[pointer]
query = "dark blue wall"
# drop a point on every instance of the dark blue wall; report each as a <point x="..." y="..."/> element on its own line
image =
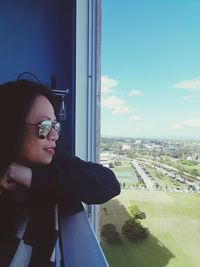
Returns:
<point x="39" y="36"/>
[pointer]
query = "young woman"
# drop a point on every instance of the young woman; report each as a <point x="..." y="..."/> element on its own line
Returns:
<point x="34" y="179"/>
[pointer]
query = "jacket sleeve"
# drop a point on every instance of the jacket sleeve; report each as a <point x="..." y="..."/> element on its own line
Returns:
<point x="73" y="178"/>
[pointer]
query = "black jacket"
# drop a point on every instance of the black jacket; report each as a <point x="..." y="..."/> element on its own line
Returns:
<point x="67" y="181"/>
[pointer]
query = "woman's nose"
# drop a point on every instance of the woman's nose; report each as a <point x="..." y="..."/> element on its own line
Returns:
<point x="53" y="135"/>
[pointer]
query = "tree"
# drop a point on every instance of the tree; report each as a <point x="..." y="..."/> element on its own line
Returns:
<point x="160" y="175"/>
<point x="111" y="165"/>
<point x="118" y="163"/>
<point x="135" y="212"/>
<point x="133" y="230"/>
<point x="110" y="233"/>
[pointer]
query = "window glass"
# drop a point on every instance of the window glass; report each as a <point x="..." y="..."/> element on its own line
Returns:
<point x="150" y="132"/>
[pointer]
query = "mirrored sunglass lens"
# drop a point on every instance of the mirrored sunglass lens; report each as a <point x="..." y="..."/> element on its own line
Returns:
<point x="57" y="127"/>
<point x="45" y="128"/>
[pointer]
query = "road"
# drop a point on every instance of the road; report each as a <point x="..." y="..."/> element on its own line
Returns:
<point x="149" y="183"/>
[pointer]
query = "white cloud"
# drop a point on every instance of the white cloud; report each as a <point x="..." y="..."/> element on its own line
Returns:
<point x="189" y="97"/>
<point x="115" y="104"/>
<point x="107" y="84"/>
<point x="135" y="118"/>
<point x="187" y="123"/>
<point x="191" y="85"/>
<point x="135" y="93"/>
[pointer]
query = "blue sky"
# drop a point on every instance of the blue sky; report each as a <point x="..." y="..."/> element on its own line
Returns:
<point x="151" y="68"/>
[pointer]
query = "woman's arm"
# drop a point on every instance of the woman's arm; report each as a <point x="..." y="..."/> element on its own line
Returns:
<point x="73" y="178"/>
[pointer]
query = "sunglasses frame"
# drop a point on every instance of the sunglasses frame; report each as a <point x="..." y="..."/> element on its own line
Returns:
<point x="43" y="129"/>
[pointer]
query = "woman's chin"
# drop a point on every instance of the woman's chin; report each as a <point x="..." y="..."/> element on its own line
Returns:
<point x="31" y="161"/>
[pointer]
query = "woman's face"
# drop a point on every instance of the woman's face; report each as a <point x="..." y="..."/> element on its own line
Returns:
<point x="34" y="149"/>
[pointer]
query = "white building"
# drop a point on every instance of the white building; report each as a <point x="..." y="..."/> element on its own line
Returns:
<point x="126" y="147"/>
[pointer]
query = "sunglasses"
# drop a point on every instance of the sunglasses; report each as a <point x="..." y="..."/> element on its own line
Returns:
<point x="46" y="126"/>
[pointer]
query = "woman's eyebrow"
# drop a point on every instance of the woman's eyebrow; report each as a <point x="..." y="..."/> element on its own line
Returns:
<point x="48" y="118"/>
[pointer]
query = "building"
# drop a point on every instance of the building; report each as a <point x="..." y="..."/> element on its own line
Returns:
<point x="126" y="147"/>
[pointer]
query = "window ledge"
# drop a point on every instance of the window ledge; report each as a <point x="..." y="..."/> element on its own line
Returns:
<point x="79" y="244"/>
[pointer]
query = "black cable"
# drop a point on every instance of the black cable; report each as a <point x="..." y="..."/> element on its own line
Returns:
<point x="29" y="73"/>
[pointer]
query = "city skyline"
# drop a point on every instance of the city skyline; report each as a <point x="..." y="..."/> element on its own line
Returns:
<point x="150" y="69"/>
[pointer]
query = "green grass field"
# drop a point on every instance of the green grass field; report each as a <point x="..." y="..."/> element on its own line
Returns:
<point x="125" y="173"/>
<point x="173" y="219"/>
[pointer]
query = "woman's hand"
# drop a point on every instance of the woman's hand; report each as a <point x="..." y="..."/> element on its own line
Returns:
<point x="6" y="183"/>
<point x="16" y="174"/>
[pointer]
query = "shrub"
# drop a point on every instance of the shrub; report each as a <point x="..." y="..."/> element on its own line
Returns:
<point x="110" y="233"/>
<point x="105" y="210"/>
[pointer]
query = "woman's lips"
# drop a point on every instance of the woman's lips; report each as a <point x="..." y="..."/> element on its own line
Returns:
<point x="50" y="150"/>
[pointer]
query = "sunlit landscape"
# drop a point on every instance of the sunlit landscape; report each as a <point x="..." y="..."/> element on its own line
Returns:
<point x="162" y="177"/>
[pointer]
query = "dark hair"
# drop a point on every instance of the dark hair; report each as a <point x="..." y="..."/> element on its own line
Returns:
<point x="16" y="98"/>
